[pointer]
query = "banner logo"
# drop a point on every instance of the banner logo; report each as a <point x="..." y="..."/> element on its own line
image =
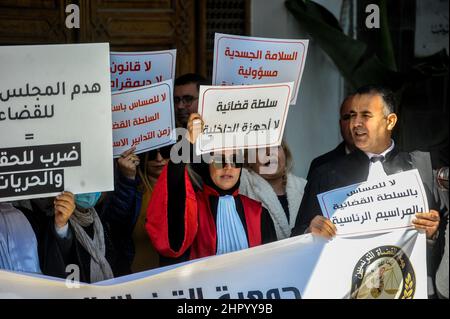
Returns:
<point x="383" y="273"/>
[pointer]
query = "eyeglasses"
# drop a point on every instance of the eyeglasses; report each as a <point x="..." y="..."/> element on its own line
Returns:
<point x="220" y="162"/>
<point x="163" y="151"/>
<point x="186" y="99"/>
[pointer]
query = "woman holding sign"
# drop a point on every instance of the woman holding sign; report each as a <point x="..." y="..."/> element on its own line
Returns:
<point x="186" y="220"/>
<point x="78" y="242"/>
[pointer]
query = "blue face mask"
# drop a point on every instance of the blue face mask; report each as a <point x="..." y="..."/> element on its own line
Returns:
<point x="87" y="200"/>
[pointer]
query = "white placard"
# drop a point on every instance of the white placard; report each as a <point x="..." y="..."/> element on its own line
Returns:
<point x="386" y="266"/>
<point x="55" y="120"/>
<point x="135" y="69"/>
<point x="376" y="205"/>
<point x="240" y="60"/>
<point x="244" y="116"/>
<point x="143" y="117"/>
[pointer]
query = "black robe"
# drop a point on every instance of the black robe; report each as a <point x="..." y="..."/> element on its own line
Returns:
<point x="176" y="207"/>
<point x="332" y="155"/>
<point x="347" y="170"/>
<point x="56" y="253"/>
<point x="354" y="168"/>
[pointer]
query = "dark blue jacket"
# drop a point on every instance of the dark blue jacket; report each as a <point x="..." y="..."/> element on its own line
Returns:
<point x="120" y="211"/>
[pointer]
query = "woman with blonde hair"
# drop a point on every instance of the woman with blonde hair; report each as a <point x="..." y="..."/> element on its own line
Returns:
<point x="268" y="180"/>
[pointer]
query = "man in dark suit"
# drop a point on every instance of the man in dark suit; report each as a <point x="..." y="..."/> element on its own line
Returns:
<point x="372" y="120"/>
<point x="345" y="147"/>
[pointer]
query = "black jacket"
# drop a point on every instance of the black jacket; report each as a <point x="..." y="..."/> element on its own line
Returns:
<point x="338" y="152"/>
<point x="347" y="170"/>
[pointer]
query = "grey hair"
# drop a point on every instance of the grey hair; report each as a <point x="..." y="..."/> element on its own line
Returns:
<point x="388" y="96"/>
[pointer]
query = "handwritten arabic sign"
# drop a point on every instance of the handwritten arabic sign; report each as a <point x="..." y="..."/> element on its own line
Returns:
<point x="55" y="120"/>
<point x="143" y="117"/>
<point x="240" y="60"/>
<point x="375" y="205"/>
<point x="135" y="69"/>
<point x="377" y="266"/>
<point x="247" y="116"/>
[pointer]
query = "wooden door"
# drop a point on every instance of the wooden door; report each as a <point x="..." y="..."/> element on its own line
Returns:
<point x="129" y="25"/>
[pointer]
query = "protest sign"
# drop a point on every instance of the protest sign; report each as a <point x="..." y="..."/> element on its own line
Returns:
<point x="381" y="266"/>
<point x="375" y="205"/>
<point x="240" y="60"/>
<point x="135" y="69"/>
<point x="247" y="116"/>
<point x="55" y="120"/>
<point x="143" y="117"/>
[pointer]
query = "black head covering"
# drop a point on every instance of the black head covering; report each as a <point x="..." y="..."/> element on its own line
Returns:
<point x="202" y="169"/>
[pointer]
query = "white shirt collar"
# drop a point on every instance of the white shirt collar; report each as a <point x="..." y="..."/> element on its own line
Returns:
<point x="390" y="148"/>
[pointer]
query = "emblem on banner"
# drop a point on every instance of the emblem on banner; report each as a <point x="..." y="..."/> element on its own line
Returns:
<point x="384" y="272"/>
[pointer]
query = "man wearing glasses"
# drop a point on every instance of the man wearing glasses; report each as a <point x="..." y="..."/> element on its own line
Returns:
<point x="185" y="96"/>
<point x="345" y="147"/>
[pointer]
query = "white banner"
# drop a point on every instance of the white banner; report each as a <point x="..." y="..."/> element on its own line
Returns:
<point x="135" y="69"/>
<point x="244" y="116"/>
<point x="143" y="117"/>
<point x="240" y="60"/>
<point x="390" y="265"/>
<point x="375" y="205"/>
<point x="55" y="120"/>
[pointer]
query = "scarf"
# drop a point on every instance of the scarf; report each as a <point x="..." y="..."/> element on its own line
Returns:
<point x="230" y="231"/>
<point x="18" y="244"/>
<point x="100" y="268"/>
<point x="231" y="235"/>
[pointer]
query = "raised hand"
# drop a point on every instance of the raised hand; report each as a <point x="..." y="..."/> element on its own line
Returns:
<point x="128" y="163"/>
<point x="64" y="206"/>
<point x="429" y="222"/>
<point x="194" y="127"/>
<point x="323" y="227"/>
